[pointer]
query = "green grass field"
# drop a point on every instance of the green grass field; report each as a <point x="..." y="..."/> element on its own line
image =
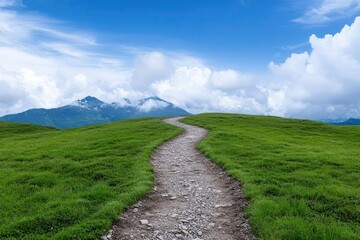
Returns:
<point x="73" y="184"/>
<point x="302" y="177"/>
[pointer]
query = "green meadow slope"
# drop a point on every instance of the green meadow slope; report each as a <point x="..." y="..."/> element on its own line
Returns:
<point x="302" y="177"/>
<point x="72" y="184"/>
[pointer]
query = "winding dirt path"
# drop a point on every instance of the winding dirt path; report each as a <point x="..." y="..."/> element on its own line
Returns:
<point x="193" y="198"/>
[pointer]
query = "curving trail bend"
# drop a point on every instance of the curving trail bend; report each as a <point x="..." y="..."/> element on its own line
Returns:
<point x="193" y="198"/>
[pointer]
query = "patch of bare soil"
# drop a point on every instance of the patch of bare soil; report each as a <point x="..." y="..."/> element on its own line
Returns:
<point x="193" y="198"/>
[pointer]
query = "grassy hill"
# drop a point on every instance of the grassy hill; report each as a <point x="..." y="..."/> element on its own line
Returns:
<point x="302" y="177"/>
<point x="72" y="184"/>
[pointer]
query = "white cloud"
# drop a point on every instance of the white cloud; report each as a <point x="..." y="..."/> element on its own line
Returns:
<point x="152" y="104"/>
<point x="322" y="83"/>
<point x="150" y="67"/>
<point x="192" y="87"/>
<point x="65" y="49"/>
<point x="10" y="92"/>
<point x="55" y="69"/>
<point x="10" y="3"/>
<point x="322" y="11"/>
<point x="325" y="81"/>
<point x="187" y="86"/>
<point x="230" y="79"/>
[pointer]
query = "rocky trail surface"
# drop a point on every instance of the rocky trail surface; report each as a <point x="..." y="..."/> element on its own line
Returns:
<point x="193" y="198"/>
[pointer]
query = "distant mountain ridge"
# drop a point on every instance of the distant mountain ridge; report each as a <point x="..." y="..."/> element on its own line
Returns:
<point x="350" y="121"/>
<point x="91" y="110"/>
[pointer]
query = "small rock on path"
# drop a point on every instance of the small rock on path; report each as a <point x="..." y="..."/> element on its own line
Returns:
<point x="193" y="198"/>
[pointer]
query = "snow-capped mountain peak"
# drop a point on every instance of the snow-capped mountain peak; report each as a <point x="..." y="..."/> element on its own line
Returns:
<point x="90" y="103"/>
<point x="152" y="103"/>
<point x="144" y="105"/>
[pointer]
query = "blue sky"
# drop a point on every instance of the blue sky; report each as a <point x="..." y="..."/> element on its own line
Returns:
<point x="244" y="34"/>
<point x="277" y="57"/>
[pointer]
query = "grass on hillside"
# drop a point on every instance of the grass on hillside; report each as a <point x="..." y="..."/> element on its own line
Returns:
<point x="302" y="177"/>
<point x="73" y="184"/>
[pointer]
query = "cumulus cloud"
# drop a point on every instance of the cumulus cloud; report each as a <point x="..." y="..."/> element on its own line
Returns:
<point x="322" y="11"/>
<point x="150" y="67"/>
<point x="192" y="87"/>
<point x="10" y="92"/>
<point x="187" y="87"/>
<point x="324" y="82"/>
<point x="230" y="79"/>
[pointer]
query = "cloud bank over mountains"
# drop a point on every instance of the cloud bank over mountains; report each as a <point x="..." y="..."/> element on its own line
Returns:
<point x="64" y="65"/>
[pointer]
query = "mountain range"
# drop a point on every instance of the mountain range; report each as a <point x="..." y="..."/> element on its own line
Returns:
<point x="91" y="110"/>
<point x="342" y="121"/>
<point x="351" y="121"/>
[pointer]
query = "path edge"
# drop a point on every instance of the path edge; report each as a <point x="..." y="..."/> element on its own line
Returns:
<point x="108" y="235"/>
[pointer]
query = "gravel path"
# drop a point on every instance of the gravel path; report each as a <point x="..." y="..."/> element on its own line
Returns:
<point x="193" y="198"/>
